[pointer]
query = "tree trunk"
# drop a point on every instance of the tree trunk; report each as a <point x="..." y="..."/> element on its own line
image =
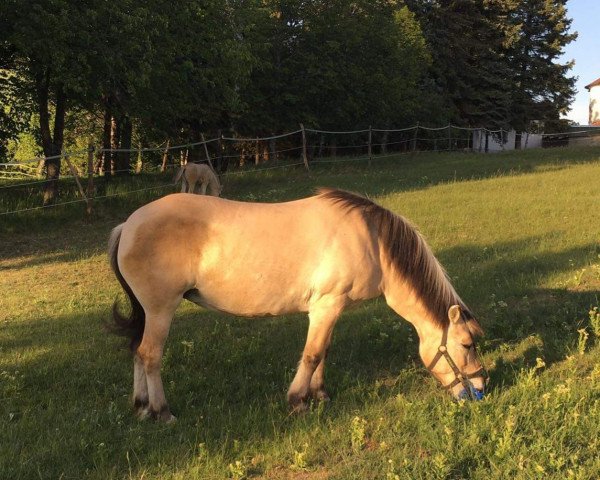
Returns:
<point x="321" y="145"/>
<point x="51" y="143"/>
<point x="333" y="147"/>
<point x="384" y="141"/>
<point x="124" y="162"/>
<point x="114" y="143"/>
<point x="273" y="150"/>
<point x="106" y="140"/>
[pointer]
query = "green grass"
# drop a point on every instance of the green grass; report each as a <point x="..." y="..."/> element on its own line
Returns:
<point x="519" y="233"/>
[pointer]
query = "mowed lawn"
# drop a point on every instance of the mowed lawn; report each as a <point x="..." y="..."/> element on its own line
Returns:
<point x="519" y="234"/>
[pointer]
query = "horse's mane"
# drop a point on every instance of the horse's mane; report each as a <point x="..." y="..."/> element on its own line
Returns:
<point x="410" y="255"/>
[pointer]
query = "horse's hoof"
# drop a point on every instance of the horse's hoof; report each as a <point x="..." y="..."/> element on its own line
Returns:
<point x="163" y="415"/>
<point x="298" y="404"/>
<point x="166" y="417"/>
<point x="301" y="407"/>
<point x="144" y="414"/>
<point x="139" y="405"/>
<point x="321" y="395"/>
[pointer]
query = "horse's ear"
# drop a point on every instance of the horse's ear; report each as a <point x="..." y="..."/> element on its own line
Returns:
<point x="454" y="313"/>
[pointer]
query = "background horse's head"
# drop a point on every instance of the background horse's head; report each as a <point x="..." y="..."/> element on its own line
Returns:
<point x="451" y="355"/>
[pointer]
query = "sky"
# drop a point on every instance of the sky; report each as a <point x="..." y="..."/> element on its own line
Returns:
<point x="585" y="50"/>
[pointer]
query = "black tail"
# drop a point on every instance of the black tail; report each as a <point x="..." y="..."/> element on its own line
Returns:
<point x="131" y="326"/>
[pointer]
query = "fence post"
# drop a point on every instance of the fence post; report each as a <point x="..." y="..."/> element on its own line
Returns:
<point x="370" y="144"/>
<point x="206" y="152"/>
<point x="449" y="137"/>
<point x="304" y="156"/>
<point x="223" y="160"/>
<point x="414" y="142"/>
<point x="90" y="172"/>
<point x="76" y="176"/>
<point x="165" y="156"/>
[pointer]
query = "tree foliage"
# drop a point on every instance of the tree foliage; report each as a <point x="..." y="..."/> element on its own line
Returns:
<point x="158" y="70"/>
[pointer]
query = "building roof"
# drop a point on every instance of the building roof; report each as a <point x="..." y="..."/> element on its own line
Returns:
<point x="595" y="83"/>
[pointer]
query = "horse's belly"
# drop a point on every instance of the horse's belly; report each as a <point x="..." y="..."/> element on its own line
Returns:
<point x="246" y="302"/>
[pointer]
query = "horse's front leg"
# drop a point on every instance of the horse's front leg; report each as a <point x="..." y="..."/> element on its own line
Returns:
<point x="322" y="318"/>
<point x="317" y="382"/>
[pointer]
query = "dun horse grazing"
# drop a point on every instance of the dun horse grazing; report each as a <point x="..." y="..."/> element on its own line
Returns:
<point x="315" y="255"/>
<point x="192" y="174"/>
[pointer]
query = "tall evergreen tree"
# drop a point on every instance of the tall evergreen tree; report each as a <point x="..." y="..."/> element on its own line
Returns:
<point x="540" y="86"/>
<point x="466" y="38"/>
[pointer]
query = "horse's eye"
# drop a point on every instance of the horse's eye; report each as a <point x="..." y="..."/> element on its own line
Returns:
<point x="468" y="346"/>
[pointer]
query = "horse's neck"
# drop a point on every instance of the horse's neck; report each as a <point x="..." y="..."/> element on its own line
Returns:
<point x="406" y="302"/>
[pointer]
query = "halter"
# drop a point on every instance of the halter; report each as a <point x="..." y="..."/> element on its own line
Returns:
<point x="460" y="377"/>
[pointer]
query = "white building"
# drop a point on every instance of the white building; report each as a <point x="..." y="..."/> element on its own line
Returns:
<point x="594" y="89"/>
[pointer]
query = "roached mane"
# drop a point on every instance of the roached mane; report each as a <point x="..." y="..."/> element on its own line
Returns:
<point x="410" y="255"/>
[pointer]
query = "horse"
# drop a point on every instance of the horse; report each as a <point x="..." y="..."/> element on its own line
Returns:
<point x="191" y="174"/>
<point x="316" y="255"/>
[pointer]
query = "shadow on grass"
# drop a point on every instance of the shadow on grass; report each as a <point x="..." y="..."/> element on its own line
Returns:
<point x="66" y="383"/>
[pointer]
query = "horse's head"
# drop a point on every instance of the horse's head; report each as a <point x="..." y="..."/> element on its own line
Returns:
<point x="452" y="358"/>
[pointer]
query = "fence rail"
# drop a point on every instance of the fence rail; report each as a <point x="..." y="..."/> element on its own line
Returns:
<point x="304" y="146"/>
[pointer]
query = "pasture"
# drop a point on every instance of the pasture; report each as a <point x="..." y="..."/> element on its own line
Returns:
<point x="519" y="234"/>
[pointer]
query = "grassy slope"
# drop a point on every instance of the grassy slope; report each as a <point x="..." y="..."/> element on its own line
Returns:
<point x="519" y="233"/>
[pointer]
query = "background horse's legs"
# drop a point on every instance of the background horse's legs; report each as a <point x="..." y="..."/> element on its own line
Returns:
<point x="140" y="386"/>
<point x="203" y="188"/>
<point x="317" y="382"/>
<point x="150" y="352"/>
<point x="322" y="316"/>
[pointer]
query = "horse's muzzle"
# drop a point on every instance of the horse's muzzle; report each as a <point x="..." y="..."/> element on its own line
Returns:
<point x="475" y="394"/>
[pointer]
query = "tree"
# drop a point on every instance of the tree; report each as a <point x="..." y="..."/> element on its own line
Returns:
<point x="15" y="110"/>
<point x="48" y="70"/>
<point x="466" y="38"/>
<point x="540" y="86"/>
<point x="338" y="64"/>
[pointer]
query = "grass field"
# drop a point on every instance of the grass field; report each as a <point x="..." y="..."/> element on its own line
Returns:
<point x="519" y="234"/>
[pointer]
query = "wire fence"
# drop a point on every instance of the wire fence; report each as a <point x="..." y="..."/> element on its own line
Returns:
<point x="234" y="156"/>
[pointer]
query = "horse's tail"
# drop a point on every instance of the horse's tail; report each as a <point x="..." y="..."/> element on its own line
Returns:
<point x="179" y="174"/>
<point x="131" y="325"/>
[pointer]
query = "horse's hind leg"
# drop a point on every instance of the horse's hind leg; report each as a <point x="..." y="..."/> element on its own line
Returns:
<point x="150" y="354"/>
<point x="140" y="385"/>
<point x="322" y="318"/>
